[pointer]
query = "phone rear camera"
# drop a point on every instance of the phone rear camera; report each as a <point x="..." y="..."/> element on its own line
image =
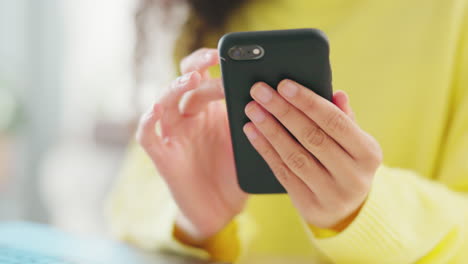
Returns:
<point x="235" y="53"/>
<point x="246" y="52"/>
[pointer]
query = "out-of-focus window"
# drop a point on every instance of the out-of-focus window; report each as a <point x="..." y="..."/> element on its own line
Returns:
<point x="68" y="106"/>
<point x="97" y="116"/>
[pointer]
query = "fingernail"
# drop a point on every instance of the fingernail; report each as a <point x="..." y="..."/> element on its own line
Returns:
<point x="208" y="56"/>
<point x="184" y="78"/>
<point x="255" y="114"/>
<point x="262" y="93"/>
<point x="250" y="132"/>
<point x="288" y="88"/>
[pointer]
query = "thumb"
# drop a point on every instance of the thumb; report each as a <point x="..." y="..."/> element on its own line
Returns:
<point x="194" y="101"/>
<point x="341" y="99"/>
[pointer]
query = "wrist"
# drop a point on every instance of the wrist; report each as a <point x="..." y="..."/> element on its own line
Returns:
<point x="344" y="223"/>
<point x="222" y="246"/>
<point x="188" y="233"/>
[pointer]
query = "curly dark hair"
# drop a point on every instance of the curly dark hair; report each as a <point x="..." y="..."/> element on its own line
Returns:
<point x="206" y="17"/>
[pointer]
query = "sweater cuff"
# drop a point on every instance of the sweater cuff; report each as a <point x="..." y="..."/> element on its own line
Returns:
<point x="166" y="239"/>
<point x="224" y="246"/>
<point x="369" y="232"/>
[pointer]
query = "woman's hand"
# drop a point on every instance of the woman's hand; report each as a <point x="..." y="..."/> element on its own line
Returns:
<point x="329" y="169"/>
<point x="193" y="151"/>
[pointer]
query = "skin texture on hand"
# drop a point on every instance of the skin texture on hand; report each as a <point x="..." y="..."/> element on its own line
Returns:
<point x="328" y="171"/>
<point x="193" y="151"/>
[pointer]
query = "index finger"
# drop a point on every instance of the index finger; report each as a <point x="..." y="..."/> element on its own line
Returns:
<point x="328" y="117"/>
<point x="200" y="60"/>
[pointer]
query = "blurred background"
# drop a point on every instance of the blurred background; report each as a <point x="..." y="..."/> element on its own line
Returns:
<point x="69" y="104"/>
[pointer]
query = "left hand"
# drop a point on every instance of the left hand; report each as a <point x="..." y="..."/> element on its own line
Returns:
<point x="328" y="171"/>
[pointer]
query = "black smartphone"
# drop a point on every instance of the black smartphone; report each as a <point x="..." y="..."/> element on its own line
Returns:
<point x="301" y="55"/>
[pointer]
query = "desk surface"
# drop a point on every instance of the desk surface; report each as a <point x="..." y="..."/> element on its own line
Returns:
<point x="20" y="240"/>
<point x="43" y="240"/>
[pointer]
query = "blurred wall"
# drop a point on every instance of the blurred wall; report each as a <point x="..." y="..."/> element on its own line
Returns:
<point x="66" y="91"/>
<point x="97" y="117"/>
<point x="30" y="64"/>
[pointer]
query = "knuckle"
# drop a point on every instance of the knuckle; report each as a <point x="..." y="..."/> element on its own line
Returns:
<point x="314" y="136"/>
<point x="281" y="173"/>
<point x="297" y="160"/>
<point x="336" y="122"/>
<point x="273" y="133"/>
<point x="308" y="104"/>
<point x="285" y="110"/>
<point x="268" y="153"/>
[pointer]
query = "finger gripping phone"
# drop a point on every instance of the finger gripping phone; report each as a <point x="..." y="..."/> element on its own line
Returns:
<point x="301" y="55"/>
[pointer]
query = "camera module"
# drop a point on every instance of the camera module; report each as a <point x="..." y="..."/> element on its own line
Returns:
<point x="247" y="52"/>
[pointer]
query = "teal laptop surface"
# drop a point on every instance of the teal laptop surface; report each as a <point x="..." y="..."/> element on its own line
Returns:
<point x="27" y="243"/>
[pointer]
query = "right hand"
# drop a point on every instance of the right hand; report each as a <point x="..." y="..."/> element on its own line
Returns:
<point x="193" y="151"/>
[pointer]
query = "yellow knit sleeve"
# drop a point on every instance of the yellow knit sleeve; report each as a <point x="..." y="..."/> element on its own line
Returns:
<point x="410" y="219"/>
<point x="404" y="219"/>
<point x="224" y="246"/>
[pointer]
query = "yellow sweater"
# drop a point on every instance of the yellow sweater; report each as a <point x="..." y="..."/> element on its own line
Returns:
<point x="404" y="64"/>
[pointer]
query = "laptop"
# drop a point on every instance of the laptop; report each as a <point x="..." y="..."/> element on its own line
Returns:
<point x="29" y="243"/>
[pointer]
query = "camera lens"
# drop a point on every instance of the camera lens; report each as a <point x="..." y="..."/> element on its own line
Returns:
<point x="236" y="53"/>
<point x="246" y="52"/>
